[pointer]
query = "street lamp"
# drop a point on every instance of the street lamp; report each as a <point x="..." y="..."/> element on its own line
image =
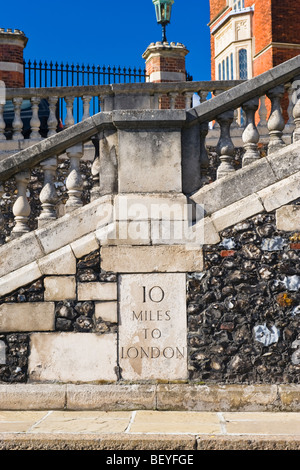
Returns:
<point x="163" y="10"/>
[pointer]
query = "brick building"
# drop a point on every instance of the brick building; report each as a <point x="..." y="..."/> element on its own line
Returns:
<point x="249" y="37"/>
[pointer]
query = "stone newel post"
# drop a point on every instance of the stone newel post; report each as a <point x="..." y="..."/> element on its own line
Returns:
<point x="12" y="44"/>
<point x="165" y="62"/>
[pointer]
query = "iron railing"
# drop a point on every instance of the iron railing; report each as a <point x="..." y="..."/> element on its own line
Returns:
<point x="38" y="74"/>
<point x="43" y="74"/>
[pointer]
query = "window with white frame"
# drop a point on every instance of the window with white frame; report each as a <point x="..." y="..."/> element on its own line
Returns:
<point x="237" y="4"/>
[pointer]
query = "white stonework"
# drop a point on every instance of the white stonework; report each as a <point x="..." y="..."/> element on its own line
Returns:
<point x="153" y="330"/>
<point x="237" y="212"/>
<point x="97" y="291"/>
<point x="27" y="316"/>
<point x="147" y="259"/>
<point x="107" y="311"/>
<point x="149" y="161"/>
<point x="60" y="262"/>
<point x="20" y="277"/>
<point x="60" y="288"/>
<point x="84" y="245"/>
<point x="288" y="218"/>
<point x="72" y="357"/>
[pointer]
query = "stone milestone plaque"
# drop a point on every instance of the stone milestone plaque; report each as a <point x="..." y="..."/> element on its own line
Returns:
<point x="153" y="326"/>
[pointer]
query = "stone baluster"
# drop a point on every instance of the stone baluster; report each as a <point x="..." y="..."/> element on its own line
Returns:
<point x="204" y="160"/>
<point x="48" y="195"/>
<point x="290" y="125"/>
<point x="250" y="135"/>
<point x="69" y="121"/>
<point x="216" y="93"/>
<point x="35" y="122"/>
<point x="74" y="181"/>
<point x="52" y="120"/>
<point x="21" y="208"/>
<point x="188" y="99"/>
<point x="276" y="122"/>
<point x="2" y="122"/>
<point x="237" y="118"/>
<point x="86" y="107"/>
<point x="263" y="113"/>
<point x="202" y="95"/>
<point x="17" y="123"/>
<point x="225" y="147"/>
<point x="296" y="110"/>
<point x="155" y="101"/>
<point x="1" y="217"/>
<point x="95" y="170"/>
<point x="172" y="97"/>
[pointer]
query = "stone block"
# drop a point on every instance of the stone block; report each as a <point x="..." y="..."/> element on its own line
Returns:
<point x="288" y="218"/>
<point x="215" y="397"/>
<point x="238" y="185"/>
<point x="85" y="245"/>
<point x="108" y="311"/>
<point x="18" y="253"/>
<point x="147" y="259"/>
<point x="59" y="262"/>
<point x="237" y="212"/>
<point x="111" y="397"/>
<point x="2" y="353"/>
<point x="152" y="328"/>
<point x="149" y="161"/>
<point x="281" y="193"/>
<point x="60" y="288"/>
<point x="27" y="316"/>
<point x="97" y="291"/>
<point x="20" y="277"/>
<point x="76" y="224"/>
<point x="72" y="357"/>
<point x="32" y="397"/>
<point x="125" y="233"/>
<point x="160" y="206"/>
<point x="286" y="161"/>
<point x="289" y="397"/>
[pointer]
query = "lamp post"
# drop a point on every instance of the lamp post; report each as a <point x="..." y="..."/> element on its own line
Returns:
<point x="163" y="10"/>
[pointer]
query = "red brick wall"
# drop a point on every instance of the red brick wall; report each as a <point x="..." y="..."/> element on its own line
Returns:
<point x="215" y="7"/>
<point x="10" y="53"/>
<point x="12" y="79"/>
<point x="165" y="64"/>
<point x="286" y="17"/>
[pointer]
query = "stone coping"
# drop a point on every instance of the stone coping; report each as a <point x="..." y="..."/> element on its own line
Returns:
<point x="151" y="396"/>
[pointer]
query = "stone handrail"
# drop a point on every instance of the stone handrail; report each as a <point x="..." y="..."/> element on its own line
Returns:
<point x="109" y="97"/>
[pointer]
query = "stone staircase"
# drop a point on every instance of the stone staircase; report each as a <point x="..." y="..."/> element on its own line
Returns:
<point x="161" y="278"/>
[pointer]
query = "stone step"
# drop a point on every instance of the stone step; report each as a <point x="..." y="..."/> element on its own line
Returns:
<point x="148" y="430"/>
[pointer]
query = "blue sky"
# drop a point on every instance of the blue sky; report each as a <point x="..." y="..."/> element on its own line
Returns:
<point x="108" y="32"/>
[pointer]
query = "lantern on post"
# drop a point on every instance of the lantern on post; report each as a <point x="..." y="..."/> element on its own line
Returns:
<point x="163" y="10"/>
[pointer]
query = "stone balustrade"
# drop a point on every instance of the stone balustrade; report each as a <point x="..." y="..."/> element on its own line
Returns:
<point x="119" y="152"/>
<point x="77" y="103"/>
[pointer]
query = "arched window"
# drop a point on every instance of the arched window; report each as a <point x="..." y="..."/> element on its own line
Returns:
<point x="220" y="73"/>
<point x="243" y="64"/>
<point x="237" y="4"/>
<point x="231" y="66"/>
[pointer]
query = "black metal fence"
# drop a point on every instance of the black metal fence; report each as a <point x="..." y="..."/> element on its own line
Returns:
<point x="44" y="74"/>
<point x="38" y="74"/>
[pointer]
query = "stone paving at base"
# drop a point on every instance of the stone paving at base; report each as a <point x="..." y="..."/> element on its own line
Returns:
<point x="150" y="423"/>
